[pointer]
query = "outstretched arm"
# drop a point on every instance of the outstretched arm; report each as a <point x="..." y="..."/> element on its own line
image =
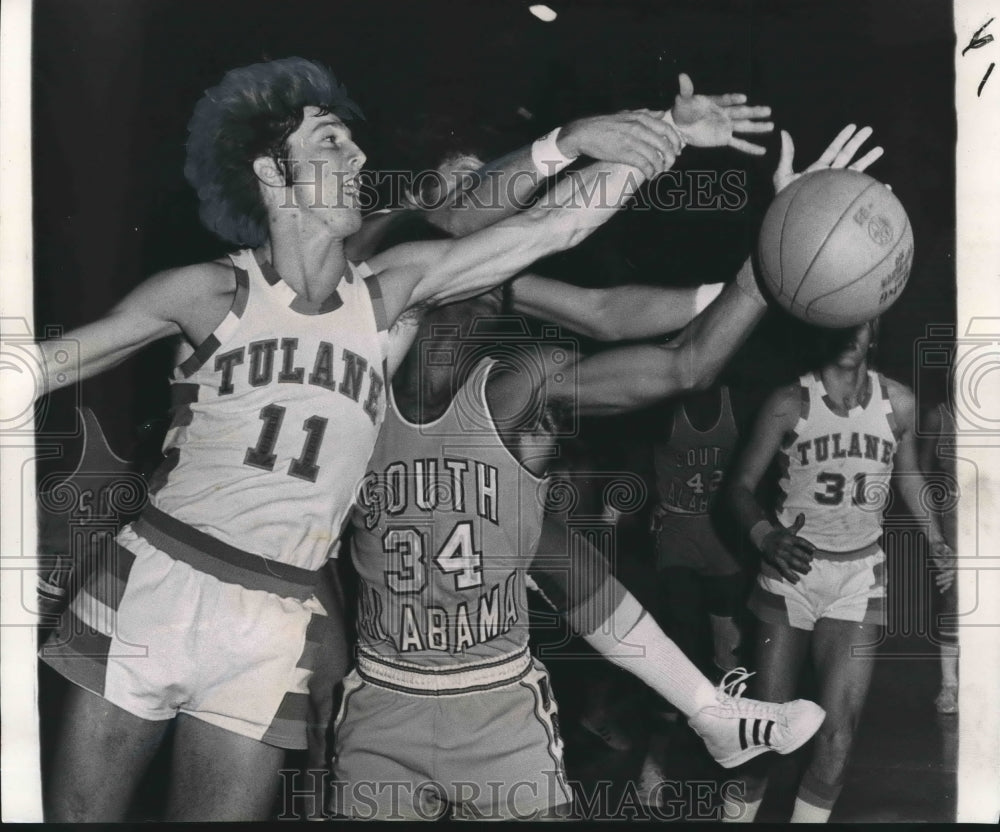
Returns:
<point x="502" y="187"/>
<point x="615" y="314"/>
<point x="189" y="300"/>
<point x="438" y="272"/>
<point x="632" y="377"/>
<point x="629" y="378"/>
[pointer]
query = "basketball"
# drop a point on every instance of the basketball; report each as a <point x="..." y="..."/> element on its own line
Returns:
<point x="835" y="248"/>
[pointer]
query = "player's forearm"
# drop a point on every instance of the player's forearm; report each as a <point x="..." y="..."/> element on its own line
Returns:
<point x="748" y="512"/>
<point x="707" y="343"/>
<point x="503" y="187"/>
<point x="569" y="213"/>
<point x="620" y="313"/>
<point x="625" y="379"/>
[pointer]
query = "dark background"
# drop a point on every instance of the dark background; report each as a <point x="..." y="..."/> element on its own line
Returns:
<point x="115" y="82"/>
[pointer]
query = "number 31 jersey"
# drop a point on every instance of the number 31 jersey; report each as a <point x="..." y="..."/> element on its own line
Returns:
<point x="275" y="416"/>
<point x="446" y="522"/>
<point x="836" y="468"/>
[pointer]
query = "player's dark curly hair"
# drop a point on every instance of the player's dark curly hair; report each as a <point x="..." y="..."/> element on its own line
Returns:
<point x="249" y="114"/>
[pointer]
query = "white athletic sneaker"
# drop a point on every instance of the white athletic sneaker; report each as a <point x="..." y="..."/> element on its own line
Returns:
<point x="737" y="729"/>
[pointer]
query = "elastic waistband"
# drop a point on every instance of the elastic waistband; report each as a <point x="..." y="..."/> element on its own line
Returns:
<point x="220" y="560"/>
<point x="664" y="509"/>
<point x="443" y="681"/>
<point x="853" y="554"/>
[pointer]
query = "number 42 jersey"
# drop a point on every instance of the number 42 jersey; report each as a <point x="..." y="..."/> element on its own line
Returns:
<point x="836" y="468"/>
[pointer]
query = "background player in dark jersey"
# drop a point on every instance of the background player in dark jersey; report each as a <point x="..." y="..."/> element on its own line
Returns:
<point x="443" y="666"/>
<point x="699" y="572"/>
<point x="837" y="435"/>
<point x="276" y="168"/>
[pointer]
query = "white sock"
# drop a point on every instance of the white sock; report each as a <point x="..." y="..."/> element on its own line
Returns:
<point x="807" y="813"/>
<point x="647" y="653"/>
<point x="736" y="811"/>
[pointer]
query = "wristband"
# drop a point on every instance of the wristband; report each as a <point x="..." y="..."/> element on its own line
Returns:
<point x="547" y="156"/>
<point x="705" y="295"/>
<point x="668" y="118"/>
<point x="760" y="530"/>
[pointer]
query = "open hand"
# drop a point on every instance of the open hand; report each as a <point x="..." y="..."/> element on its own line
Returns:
<point x="711" y="120"/>
<point x="640" y="138"/>
<point x="837" y="155"/>
<point x="790" y="554"/>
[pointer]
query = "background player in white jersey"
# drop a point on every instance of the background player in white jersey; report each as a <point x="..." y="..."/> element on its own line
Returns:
<point x="446" y="708"/>
<point x="837" y="435"/>
<point x="206" y="615"/>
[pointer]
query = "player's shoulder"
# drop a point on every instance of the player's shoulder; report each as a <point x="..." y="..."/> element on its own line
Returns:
<point x="198" y="280"/>
<point x="899" y="394"/>
<point x="784" y="402"/>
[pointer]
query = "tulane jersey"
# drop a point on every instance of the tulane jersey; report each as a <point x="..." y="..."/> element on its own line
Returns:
<point x="690" y="466"/>
<point x="835" y="468"/>
<point x="445" y="524"/>
<point x="275" y="416"/>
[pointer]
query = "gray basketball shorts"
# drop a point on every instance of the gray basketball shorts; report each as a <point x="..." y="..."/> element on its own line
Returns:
<point x="477" y="742"/>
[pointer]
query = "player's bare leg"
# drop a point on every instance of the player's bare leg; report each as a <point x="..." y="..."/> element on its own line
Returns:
<point x="103" y="752"/>
<point x="779" y="653"/>
<point x="845" y="676"/>
<point x="221" y="776"/>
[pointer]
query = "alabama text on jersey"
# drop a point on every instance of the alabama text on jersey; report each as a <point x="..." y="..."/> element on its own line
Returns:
<point x="444" y="525"/>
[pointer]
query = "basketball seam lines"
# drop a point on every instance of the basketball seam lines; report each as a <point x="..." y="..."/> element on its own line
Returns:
<point x="826" y="239"/>
<point x="862" y="277"/>
<point x="781" y="240"/>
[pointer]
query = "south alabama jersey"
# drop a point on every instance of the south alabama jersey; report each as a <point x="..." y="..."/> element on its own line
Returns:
<point x="446" y="521"/>
<point x="836" y="468"/>
<point x="691" y="464"/>
<point x="275" y="416"/>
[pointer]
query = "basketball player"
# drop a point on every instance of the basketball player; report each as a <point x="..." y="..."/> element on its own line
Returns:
<point x="206" y="617"/>
<point x="697" y="570"/>
<point x="937" y="459"/>
<point x="837" y="435"/>
<point x="446" y="711"/>
<point x="466" y="195"/>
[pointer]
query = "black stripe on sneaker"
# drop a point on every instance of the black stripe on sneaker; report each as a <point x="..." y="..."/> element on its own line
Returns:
<point x="743" y="733"/>
<point x="756" y="732"/>
<point x="767" y="732"/>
